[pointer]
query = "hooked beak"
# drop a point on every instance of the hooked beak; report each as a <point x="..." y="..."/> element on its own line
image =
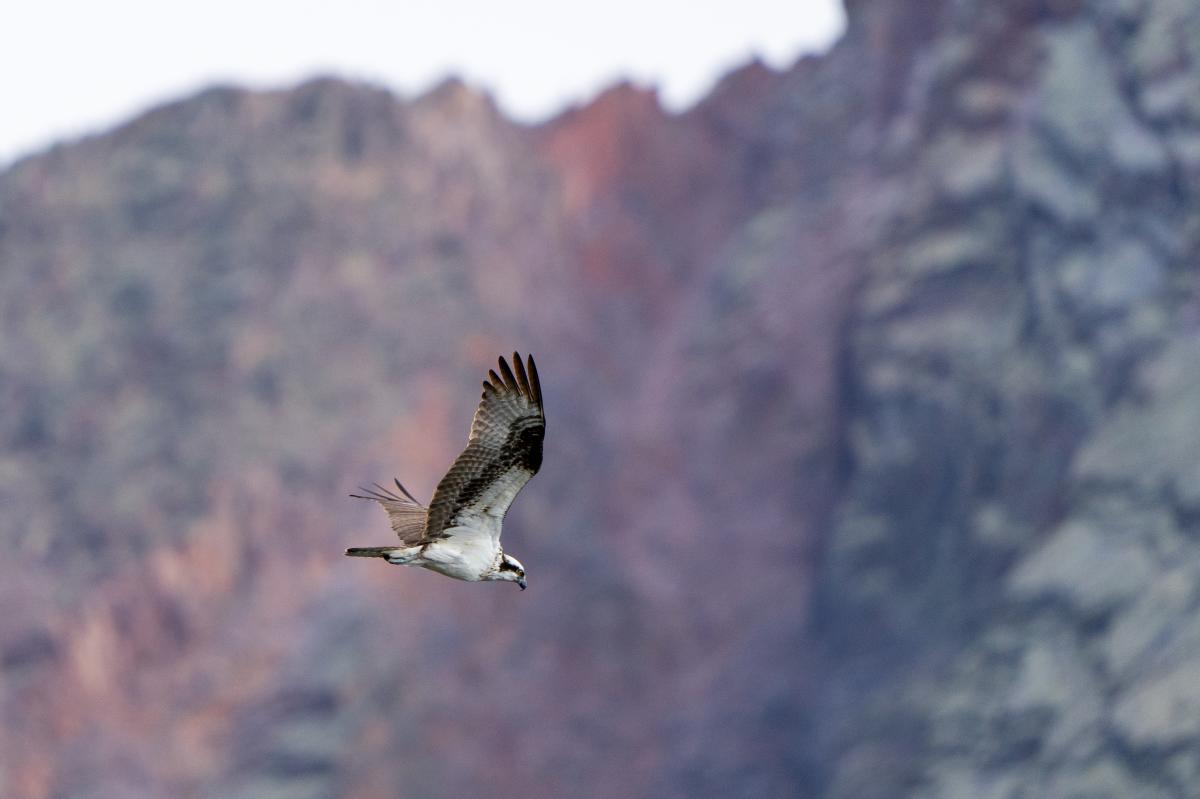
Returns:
<point x="521" y="583"/>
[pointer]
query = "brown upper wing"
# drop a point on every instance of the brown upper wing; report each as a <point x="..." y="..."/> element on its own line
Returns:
<point x="503" y="451"/>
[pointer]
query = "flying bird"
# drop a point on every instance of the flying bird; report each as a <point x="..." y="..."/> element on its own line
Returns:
<point x="458" y="535"/>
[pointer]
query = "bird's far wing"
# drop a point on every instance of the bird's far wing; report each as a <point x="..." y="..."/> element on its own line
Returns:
<point x="406" y="514"/>
<point x="503" y="452"/>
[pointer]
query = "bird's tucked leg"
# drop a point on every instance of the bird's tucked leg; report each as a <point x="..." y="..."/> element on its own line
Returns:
<point x="403" y="556"/>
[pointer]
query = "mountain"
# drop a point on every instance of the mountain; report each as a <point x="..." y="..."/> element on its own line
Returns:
<point x="873" y="397"/>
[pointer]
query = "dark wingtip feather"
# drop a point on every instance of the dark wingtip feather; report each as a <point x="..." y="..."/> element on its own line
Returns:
<point x="534" y="383"/>
<point x="404" y="490"/>
<point x="378" y="494"/>
<point x="386" y="492"/>
<point x="510" y="382"/>
<point x="522" y="378"/>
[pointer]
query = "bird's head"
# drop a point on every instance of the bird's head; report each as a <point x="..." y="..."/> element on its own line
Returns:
<point x="510" y="569"/>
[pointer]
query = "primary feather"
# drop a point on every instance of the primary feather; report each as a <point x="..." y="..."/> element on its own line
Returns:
<point x="503" y="451"/>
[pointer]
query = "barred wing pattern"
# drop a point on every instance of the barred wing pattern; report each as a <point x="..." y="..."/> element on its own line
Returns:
<point x="504" y="450"/>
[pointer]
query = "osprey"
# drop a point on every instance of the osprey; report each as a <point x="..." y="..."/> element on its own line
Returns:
<point x="458" y="535"/>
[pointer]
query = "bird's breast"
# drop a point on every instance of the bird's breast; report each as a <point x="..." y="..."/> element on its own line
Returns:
<point x="464" y="556"/>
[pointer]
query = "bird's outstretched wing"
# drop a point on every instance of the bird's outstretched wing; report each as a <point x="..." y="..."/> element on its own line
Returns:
<point x="406" y="514"/>
<point x="503" y="452"/>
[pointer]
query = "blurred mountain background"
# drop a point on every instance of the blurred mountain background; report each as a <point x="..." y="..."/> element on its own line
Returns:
<point x="873" y="455"/>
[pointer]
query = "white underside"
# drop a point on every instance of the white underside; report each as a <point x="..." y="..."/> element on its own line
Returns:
<point x="472" y="550"/>
<point x="470" y="553"/>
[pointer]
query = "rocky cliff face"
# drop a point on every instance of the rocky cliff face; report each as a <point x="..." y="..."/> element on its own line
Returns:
<point x="872" y="461"/>
<point x="1021" y="439"/>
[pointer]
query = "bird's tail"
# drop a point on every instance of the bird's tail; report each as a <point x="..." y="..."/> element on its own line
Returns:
<point x="371" y="552"/>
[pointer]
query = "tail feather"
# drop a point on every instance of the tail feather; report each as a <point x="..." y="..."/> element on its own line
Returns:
<point x="371" y="552"/>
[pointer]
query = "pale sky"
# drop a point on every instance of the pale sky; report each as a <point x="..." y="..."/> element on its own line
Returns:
<point x="70" y="68"/>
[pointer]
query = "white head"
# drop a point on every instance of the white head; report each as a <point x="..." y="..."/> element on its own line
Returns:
<point x="509" y="569"/>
